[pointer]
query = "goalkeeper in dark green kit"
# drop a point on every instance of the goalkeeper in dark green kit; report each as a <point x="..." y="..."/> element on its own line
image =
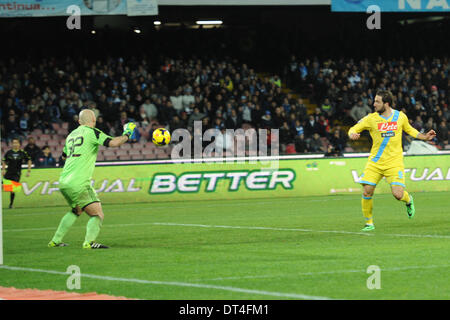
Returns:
<point x="80" y="153"/>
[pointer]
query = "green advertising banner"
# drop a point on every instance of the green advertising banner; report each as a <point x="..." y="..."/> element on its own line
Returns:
<point x="231" y="180"/>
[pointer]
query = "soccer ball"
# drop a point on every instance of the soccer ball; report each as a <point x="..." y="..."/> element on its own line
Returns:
<point x="161" y="137"/>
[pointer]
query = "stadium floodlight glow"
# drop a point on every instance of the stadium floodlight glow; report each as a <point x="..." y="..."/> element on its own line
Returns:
<point x="137" y="30"/>
<point x="93" y="32"/>
<point x="209" y="22"/>
<point x="157" y="23"/>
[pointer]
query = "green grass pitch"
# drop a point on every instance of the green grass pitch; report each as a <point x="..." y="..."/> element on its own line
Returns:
<point x="294" y="248"/>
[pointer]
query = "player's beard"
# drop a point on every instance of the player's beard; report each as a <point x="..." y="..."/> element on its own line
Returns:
<point x="382" y="110"/>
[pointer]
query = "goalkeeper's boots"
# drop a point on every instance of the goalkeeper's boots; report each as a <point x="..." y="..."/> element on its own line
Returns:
<point x="410" y="210"/>
<point x="53" y="244"/>
<point x="368" y="227"/>
<point x="94" y="245"/>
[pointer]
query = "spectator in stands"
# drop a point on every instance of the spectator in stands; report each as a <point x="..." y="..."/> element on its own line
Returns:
<point x="359" y="111"/>
<point x="32" y="149"/>
<point x="24" y="123"/>
<point x="42" y="121"/>
<point x="166" y="112"/>
<point x="257" y="114"/>
<point x="102" y="125"/>
<point x="121" y="122"/>
<point x="54" y="112"/>
<point x="151" y="110"/>
<point x="93" y="106"/>
<point x="418" y="123"/>
<point x="195" y="116"/>
<point x="218" y="123"/>
<point x="286" y="134"/>
<point x="429" y="125"/>
<point x="312" y="126"/>
<point x="12" y="129"/>
<point x="234" y="120"/>
<point x="337" y="141"/>
<point x="177" y="123"/>
<point x="247" y="112"/>
<point x="45" y="158"/>
<point x="315" y="144"/>
<point x="327" y="108"/>
<point x="266" y="120"/>
<point x="301" y="145"/>
<point x="332" y="151"/>
<point x="73" y="124"/>
<point x="278" y="118"/>
<point x="299" y="129"/>
<point x="442" y="134"/>
<point x="143" y="119"/>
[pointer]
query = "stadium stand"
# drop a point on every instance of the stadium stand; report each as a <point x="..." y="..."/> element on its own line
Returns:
<point x="41" y="97"/>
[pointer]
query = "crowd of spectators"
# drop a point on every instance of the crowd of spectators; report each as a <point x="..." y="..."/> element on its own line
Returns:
<point x="223" y="94"/>
<point x="344" y="89"/>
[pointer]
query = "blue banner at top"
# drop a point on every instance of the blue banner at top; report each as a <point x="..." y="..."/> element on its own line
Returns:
<point x="391" y="5"/>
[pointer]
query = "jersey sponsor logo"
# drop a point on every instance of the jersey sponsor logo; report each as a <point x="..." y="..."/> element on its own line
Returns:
<point x="387" y="126"/>
<point x="388" y="134"/>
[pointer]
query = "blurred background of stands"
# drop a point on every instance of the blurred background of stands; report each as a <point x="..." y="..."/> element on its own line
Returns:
<point x="286" y="60"/>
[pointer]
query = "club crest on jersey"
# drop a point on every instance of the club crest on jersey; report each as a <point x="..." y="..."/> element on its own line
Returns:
<point x="387" y="126"/>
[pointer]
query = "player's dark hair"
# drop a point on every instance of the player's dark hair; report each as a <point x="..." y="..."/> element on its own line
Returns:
<point x="386" y="97"/>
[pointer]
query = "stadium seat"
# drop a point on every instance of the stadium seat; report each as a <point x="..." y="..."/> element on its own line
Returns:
<point x="44" y="137"/>
<point x="162" y="156"/>
<point x="133" y="152"/>
<point x="62" y="132"/>
<point x="109" y="153"/>
<point x="36" y="133"/>
<point x="53" y="143"/>
<point x="56" y="151"/>
<point x="138" y="145"/>
<point x="126" y="146"/>
<point x="137" y="157"/>
<point x="100" y="157"/>
<point x="349" y="149"/>
<point x="144" y="134"/>
<point x="124" y="157"/>
<point x="56" y="126"/>
<point x="149" y="156"/>
<point x="65" y="125"/>
<point x="110" y="158"/>
<point x="121" y="153"/>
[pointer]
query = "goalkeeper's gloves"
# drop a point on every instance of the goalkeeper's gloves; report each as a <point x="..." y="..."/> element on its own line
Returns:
<point x="128" y="129"/>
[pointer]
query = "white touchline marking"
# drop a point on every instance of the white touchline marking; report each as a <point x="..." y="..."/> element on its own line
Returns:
<point x="320" y="273"/>
<point x="432" y="236"/>
<point x="197" y="225"/>
<point x="236" y="203"/>
<point x="175" y="283"/>
<point x="257" y="228"/>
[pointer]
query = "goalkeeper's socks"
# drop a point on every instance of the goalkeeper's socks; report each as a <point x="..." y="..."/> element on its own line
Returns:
<point x="66" y="222"/>
<point x="406" y="198"/>
<point x="93" y="229"/>
<point x="367" y="206"/>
